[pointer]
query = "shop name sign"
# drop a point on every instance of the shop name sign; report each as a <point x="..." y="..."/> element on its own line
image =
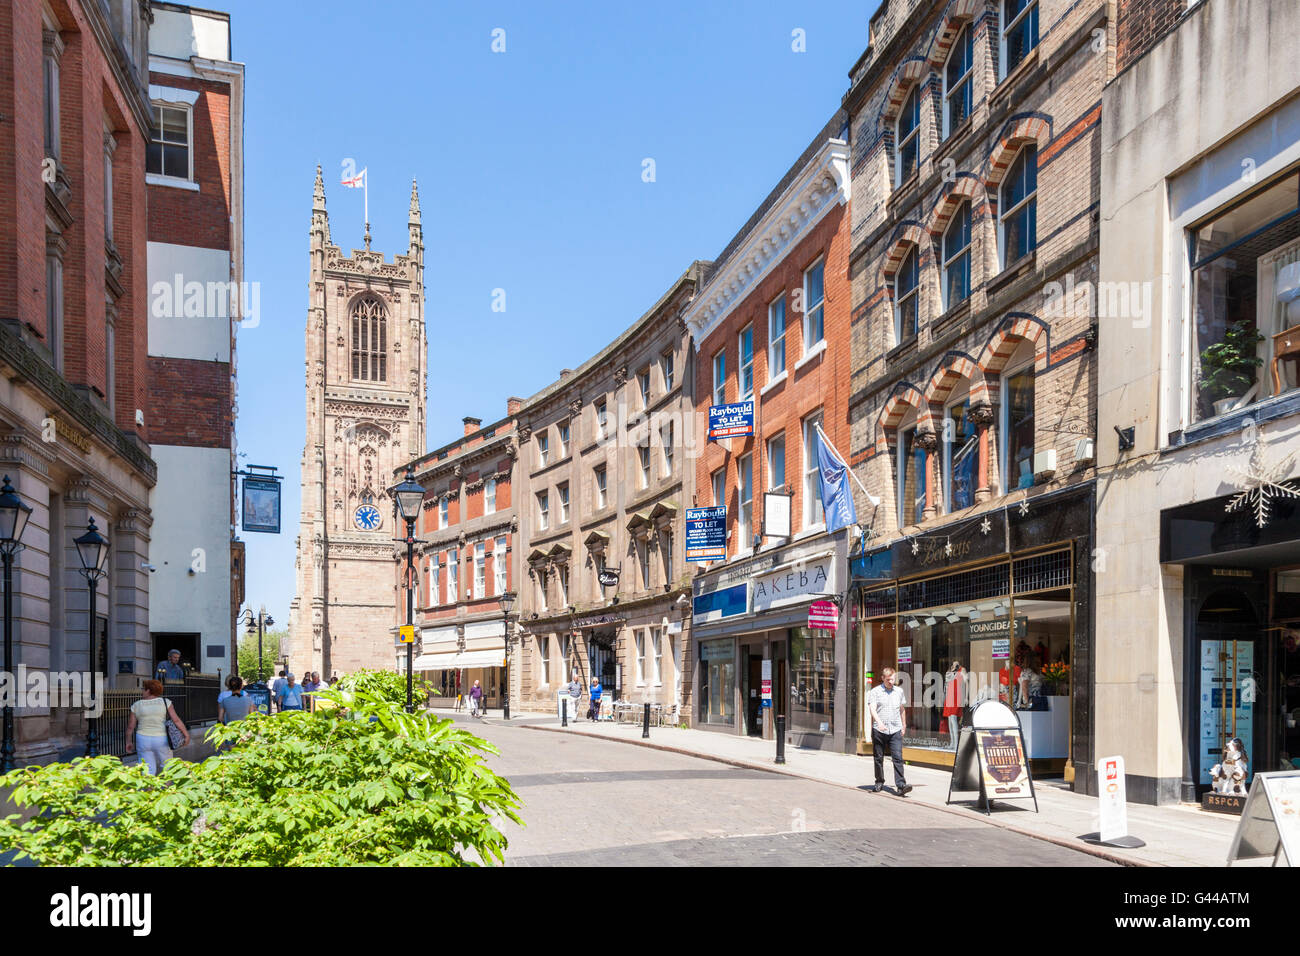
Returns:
<point x="731" y="421"/>
<point x="934" y="550"/>
<point x="795" y="583"/>
<point x="998" y="627"/>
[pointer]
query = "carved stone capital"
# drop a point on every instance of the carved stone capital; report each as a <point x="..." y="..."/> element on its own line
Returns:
<point x="927" y="440"/>
<point x="981" y="414"/>
<point x="525" y="433"/>
<point x="620" y="375"/>
<point x="575" y="407"/>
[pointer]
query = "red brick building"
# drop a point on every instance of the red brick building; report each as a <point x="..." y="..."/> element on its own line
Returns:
<point x="73" y="343"/>
<point x="198" y="299"/>
<point x="771" y="326"/>
<point x="468" y="528"/>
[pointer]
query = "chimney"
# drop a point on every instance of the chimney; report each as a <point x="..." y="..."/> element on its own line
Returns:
<point x="513" y="405"/>
<point x="565" y="373"/>
<point x="471" y="424"/>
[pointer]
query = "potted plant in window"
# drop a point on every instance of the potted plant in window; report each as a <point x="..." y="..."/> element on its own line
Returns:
<point x="1229" y="368"/>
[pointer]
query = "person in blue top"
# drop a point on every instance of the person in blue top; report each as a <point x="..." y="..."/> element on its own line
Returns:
<point x="290" y="694"/>
<point x="593" y="712"/>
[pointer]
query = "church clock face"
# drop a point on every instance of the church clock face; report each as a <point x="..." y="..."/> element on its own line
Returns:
<point x="367" y="517"/>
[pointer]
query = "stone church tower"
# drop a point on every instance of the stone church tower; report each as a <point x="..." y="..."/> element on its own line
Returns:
<point x="366" y="385"/>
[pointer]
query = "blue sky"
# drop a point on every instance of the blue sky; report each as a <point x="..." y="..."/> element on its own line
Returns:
<point x="530" y="169"/>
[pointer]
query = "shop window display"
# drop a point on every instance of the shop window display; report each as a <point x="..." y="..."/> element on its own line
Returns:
<point x="718" y="681"/>
<point x="812" y="680"/>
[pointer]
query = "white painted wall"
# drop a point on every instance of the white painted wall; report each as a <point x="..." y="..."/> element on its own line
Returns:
<point x="191" y="509"/>
<point x="183" y="35"/>
<point x="173" y="333"/>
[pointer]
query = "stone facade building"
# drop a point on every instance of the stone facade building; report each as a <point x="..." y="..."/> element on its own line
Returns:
<point x="606" y="470"/>
<point x="771" y="327"/>
<point x="74" y="394"/>
<point x="366" y="383"/>
<point x="1198" y="601"/>
<point x="465" y="563"/>
<point x="973" y="400"/>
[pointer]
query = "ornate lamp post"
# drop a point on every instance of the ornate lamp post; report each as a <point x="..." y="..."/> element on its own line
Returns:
<point x="14" y="513"/>
<point x="507" y="603"/>
<point x="262" y="620"/>
<point x="92" y="549"/>
<point x="407" y="498"/>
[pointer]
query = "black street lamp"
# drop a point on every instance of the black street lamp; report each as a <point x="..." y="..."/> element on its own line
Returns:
<point x="407" y="498"/>
<point x="14" y="513"/>
<point x="92" y="548"/>
<point x="262" y="620"/>
<point x="507" y="603"/>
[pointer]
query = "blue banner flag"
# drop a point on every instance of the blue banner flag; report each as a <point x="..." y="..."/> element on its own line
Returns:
<point x="837" y="496"/>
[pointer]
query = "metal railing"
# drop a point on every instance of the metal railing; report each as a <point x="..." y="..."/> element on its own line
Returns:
<point x="194" y="699"/>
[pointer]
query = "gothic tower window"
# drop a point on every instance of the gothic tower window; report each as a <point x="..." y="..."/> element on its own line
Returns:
<point x="369" y="341"/>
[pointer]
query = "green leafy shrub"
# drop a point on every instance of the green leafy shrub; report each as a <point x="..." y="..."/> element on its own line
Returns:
<point x="387" y="685"/>
<point x="247" y="655"/>
<point x="361" y="782"/>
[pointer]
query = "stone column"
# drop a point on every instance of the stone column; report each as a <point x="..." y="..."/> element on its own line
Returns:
<point x="127" y="585"/>
<point x="929" y="442"/>
<point x="982" y="416"/>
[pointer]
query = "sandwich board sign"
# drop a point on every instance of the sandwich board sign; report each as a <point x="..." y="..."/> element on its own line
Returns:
<point x="1270" y="821"/>
<point x="991" y="757"/>
<point x="1112" y="796"/>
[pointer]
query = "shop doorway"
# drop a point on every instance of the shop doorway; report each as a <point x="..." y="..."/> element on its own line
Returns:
<point x="754" y="695"/>
<point x="780" y="681"/>
<point x="602" y="660"/>
<point x="1229" y="681"/>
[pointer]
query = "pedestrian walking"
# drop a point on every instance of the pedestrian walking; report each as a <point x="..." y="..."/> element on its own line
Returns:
<point x="276" y="688"/>
<point x="290" y="696"/>
<point x="231" y="682"/>
<point x="575" y="691"/>
<point x="146" y="728"/>
<point x="476" y="700"/>
<point x="237" y="705"/>
<point x="888" y="722"/>
<point x="593" y="712"/>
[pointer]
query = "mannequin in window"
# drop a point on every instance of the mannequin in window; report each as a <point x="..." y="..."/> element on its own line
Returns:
<point x="954" y="697"/>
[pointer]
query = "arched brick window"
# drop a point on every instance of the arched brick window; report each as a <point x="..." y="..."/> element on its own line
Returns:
<point x="369" y="340"/>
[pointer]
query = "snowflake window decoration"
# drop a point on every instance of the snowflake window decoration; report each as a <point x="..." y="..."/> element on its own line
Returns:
<point x="1261" y="483"/>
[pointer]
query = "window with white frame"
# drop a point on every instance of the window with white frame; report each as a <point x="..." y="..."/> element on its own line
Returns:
<point x="453" y="579"/>
<point x="435" y="581"/>
<point x="540" y="575"/>
<point x="566" y="653"/>
<point x="776" y="338"/>
<point x="956" y="257"/>
<point x="1018" y="207"/>
<point x="906" y="297"/>
<point x="543" y="510"/>
<point x="168" y="152"/>
<point x="720" y="378"/>
<point x="643" y="556"/>
<point x="957" y="83"/>
<point x="666" y="552"/>
<point x="656" y="655"/>
<point x="643" y="384"/>
<point x="442" y="513"/>
<point x="564" y="439"/>
<point x="813" y="513"/>
<point x="601" y="479"/>
<point x="1019" y="32"/>
<point x="500" y="562"/>
<point x="719" y="483"/>
<point x="745" y="370"/>
<point x="911" y="478"/>
<point x="602" y="418"/>
<point x="640" y="657"/>
<point x="490" y="496"/>
<point x="745" y="487"/>
<point x="643" y="460"/>
<point x="667" y="437"/>
<point x="776" y="462"/>
<point x="814" y="299"/>
<point x="1015" y="417"/>
<point x="480" y="570"/>
<point x="908" y="138"/>
<point x="544" y="655"/>
<point x="666" y="364"/>
<point x="562" y="581"/>
<point x="563" y="492"/>
<point x="543" y="448"/>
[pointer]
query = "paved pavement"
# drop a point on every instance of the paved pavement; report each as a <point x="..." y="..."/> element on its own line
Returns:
<point x="1180" y="835"/>
<point x="596" y="802"/>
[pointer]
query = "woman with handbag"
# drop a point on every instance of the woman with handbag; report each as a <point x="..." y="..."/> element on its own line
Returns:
<point x="159" y="728"/>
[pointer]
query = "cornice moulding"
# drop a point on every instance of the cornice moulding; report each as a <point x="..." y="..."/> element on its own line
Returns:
<point x="823" y="182"/>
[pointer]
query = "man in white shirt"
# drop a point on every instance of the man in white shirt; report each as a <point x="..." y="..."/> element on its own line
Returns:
<point x="885" y="702"/>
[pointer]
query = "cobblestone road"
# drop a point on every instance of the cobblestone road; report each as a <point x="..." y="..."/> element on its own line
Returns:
<point x="597" y="802"/>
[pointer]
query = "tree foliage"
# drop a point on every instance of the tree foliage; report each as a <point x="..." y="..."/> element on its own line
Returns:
<point x="359" y="783"/>
<point x="248" y="654"/>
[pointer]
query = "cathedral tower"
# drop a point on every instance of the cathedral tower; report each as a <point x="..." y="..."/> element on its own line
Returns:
<point x="366" y="384"/>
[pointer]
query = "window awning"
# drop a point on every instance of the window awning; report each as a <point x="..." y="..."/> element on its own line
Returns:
<point x="450" y="660"/>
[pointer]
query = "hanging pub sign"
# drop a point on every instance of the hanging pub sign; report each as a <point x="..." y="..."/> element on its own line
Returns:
<point x="261" y="504"/>
<point x="991" y="757"/>
<point x="608" y="577"/>
<point x="823" y="615"/>
<point x="706" y="534"/>
<point x="731" y="421"/>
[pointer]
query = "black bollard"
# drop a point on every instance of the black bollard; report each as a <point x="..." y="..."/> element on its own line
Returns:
<point x="645" y="723"/>
<point x="564" y="711"/>
<point x="780" y="738"/>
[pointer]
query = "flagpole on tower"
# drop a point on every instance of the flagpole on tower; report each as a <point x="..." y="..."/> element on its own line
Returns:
<point x="365" y="189"/>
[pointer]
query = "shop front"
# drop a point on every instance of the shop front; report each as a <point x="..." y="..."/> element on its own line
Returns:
<point x="995" y="607"/>
<point x="1241" y="634"/>
<point x="454" y="657"/>
<point x="770" y="641"/>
